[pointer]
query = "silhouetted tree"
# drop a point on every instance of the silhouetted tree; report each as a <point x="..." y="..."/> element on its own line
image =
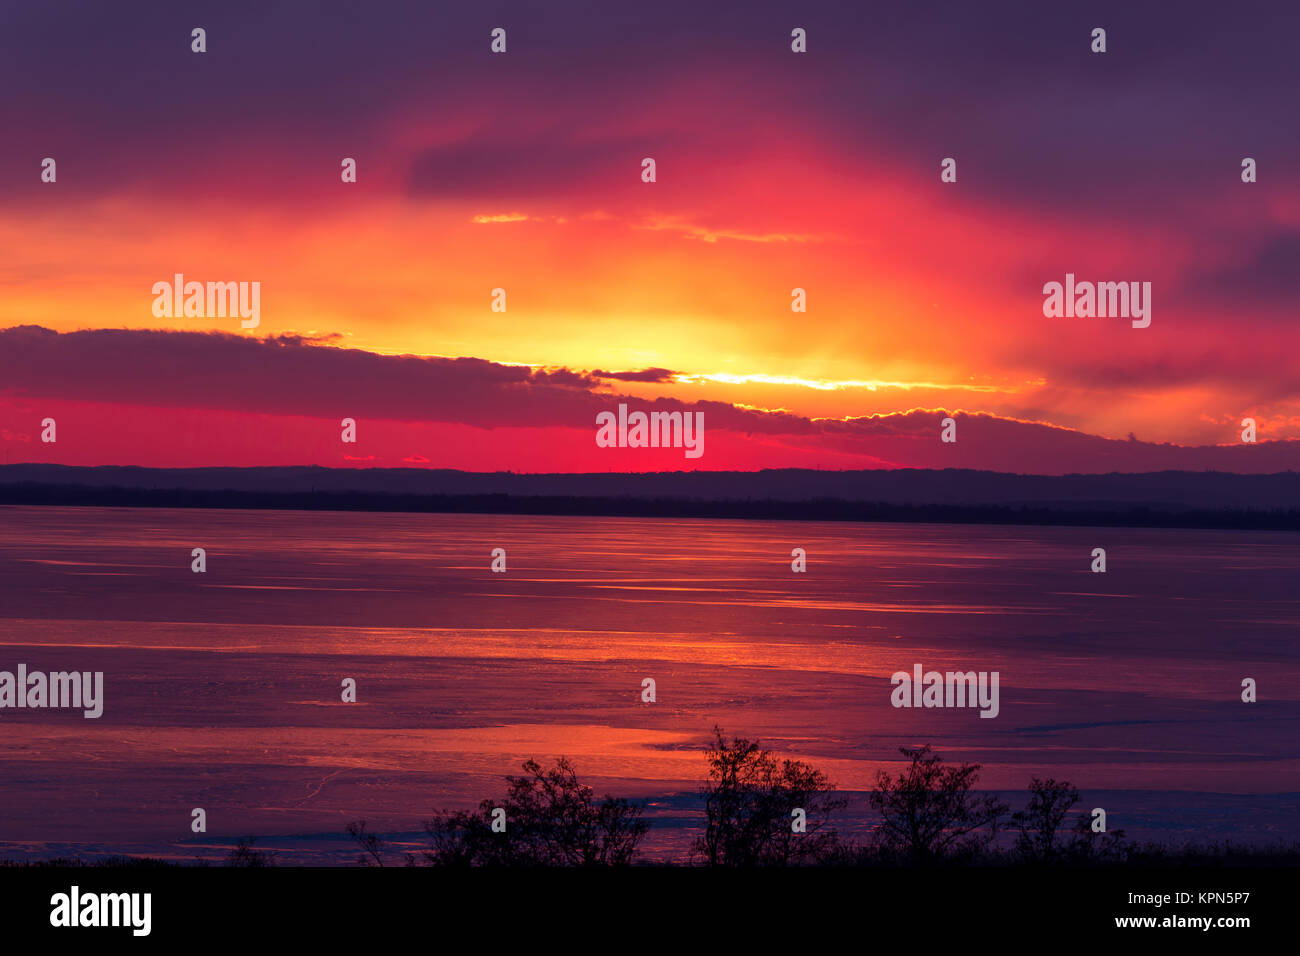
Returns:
<point x="372" y="845"/>
<point x="551" y="820"/>
<point x="749" y="803"/>
<point x="243" y="854"/>
<point x="1040" y="822"/>
<point x="930" y="813"/>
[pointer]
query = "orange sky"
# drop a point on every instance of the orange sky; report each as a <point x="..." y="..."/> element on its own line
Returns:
<point x="921" y="294"/>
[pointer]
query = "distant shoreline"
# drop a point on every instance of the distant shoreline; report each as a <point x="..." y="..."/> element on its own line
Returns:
<point x="817" y="509"/>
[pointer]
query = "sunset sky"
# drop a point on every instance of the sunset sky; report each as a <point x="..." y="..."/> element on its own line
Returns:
<point x="775" y="170"/>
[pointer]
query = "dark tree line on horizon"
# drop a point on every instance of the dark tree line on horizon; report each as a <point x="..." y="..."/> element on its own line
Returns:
<point x="1107" y="514"/>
